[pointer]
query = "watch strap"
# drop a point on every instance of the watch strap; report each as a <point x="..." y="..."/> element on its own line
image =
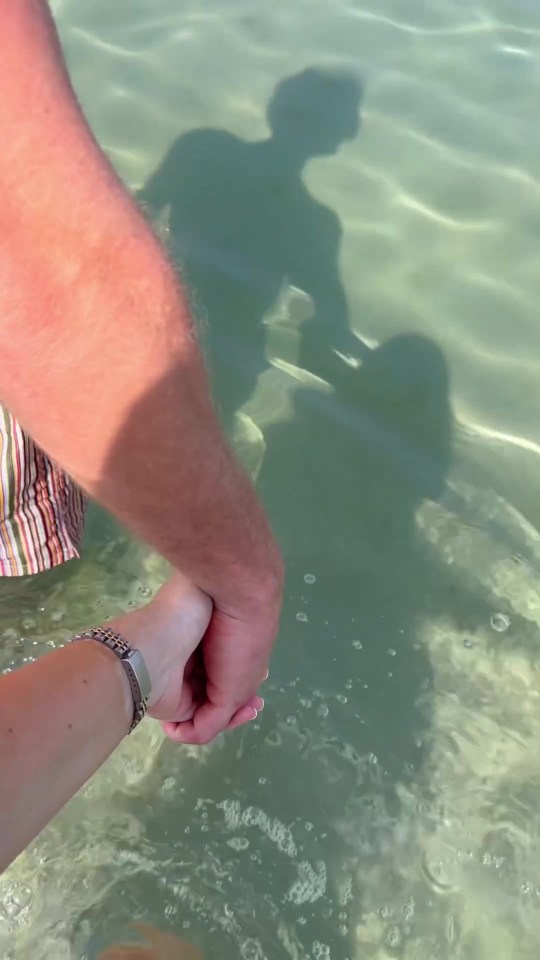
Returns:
<point x="133" y="664"/>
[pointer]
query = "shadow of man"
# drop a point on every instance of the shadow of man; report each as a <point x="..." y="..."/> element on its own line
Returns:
<point x="243" y="224"/>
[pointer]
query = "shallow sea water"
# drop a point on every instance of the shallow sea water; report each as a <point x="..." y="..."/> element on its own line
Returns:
<point x="367" y="283"/>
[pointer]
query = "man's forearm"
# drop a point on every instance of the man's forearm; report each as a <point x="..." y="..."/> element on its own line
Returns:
<point x="98" y="358"/>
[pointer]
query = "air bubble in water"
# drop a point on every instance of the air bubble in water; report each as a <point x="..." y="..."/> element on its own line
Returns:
<point x="500" y="622"/>
<point x="320" y="951"/>
<point x="251" y="950"/>
<point x="274" y="829"/>
<point x="18" y="898"/>
<point x="392" y="652"/>
<point x="231" y="812"/>
<point x="467" y="643"/>
<point x="167" y="787"/>
<point x="408" y="908"/>
<point x="310" y="885"/>
<point x="341" y="697"/>
<point x="302" y="617"/>
<point x="310" y="578"/>
<point x="393" y="937"/>
<point x="238" y="843"/>
<point x="322" y="710"/>
<point x="358" y="645"/>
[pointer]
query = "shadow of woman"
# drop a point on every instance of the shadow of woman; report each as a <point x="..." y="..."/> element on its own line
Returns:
<point x="243" y="225"/>
<point x="343" y="481"/>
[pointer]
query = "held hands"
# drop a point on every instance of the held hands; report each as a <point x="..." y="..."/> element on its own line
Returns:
<point x="229" y="667"/>
<point x="232" y="660"/>
<point x="169" y="632"/>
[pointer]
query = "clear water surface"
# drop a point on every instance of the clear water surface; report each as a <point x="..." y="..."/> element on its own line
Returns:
<point x="363" y="256"/>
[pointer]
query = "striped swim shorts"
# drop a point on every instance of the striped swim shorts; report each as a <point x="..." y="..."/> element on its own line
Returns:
<point x="42" y="510"/>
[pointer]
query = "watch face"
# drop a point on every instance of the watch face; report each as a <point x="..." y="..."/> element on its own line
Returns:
<point x="140" y="670"/>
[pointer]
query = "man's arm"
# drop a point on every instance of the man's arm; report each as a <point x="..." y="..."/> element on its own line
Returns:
<point x="100" y="363"/>
<point x="317" y="272"/>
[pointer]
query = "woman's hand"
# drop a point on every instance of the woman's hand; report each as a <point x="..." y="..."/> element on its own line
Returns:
<point x="168" y="631"/>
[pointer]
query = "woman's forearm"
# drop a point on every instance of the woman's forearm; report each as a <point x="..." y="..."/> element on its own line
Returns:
<point x="60" y="718"/>
<point x="63" y="715"/>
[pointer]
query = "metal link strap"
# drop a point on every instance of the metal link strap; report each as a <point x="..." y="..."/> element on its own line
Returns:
<point x="122" y="650"/>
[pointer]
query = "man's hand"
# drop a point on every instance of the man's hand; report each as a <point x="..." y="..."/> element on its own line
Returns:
<point x="234" y="659"/>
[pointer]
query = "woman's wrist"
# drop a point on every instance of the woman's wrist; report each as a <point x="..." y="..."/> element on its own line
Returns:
<point x="166" y="632"/>
<point x="114" y="667"/>
<point x="135" y="630"/>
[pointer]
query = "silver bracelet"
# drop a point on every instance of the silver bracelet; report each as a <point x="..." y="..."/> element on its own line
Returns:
<point x="132" y="662"/>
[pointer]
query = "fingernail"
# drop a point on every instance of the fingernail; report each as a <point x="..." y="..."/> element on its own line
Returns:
<point x="261" y="704"/>
<point x="255" y="714"/>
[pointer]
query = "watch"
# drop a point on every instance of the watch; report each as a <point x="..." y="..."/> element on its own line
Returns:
<point x="132" y="662"/>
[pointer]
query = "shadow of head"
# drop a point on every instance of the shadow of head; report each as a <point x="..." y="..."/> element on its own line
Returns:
<point x="316" y="110"/>
<point x="403" y="389"/>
